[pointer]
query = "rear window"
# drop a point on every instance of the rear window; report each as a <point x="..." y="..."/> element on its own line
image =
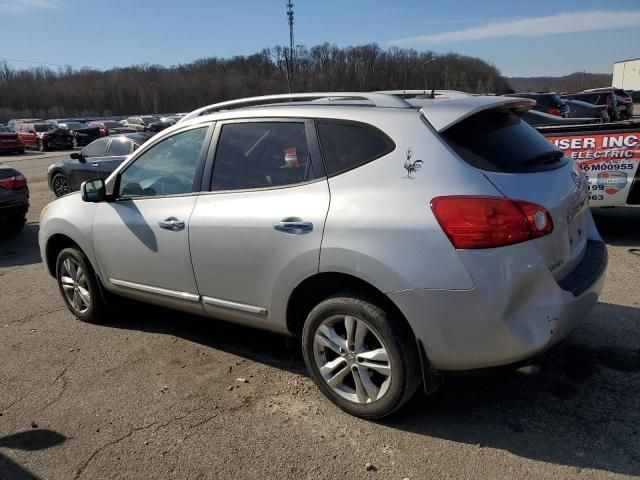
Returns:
<point x="498" y="140"/>
<point x="346" y="145"/>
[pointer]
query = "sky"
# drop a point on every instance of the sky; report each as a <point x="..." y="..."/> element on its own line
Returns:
<point x="522" y="38"/>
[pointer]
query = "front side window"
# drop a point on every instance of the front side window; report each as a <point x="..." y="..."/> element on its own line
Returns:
<point x="346" y="146"/>
<point x="167" y="168"/>
<point x="119" y="147"/>
<point x="95" y="149"/>
<point x="261" y="155"/>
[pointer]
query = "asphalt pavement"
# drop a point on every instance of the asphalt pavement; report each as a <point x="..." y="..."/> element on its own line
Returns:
<point x="154" y="394"/>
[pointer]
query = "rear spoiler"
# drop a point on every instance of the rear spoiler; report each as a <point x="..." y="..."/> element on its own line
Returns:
<point x="444" y="114"/>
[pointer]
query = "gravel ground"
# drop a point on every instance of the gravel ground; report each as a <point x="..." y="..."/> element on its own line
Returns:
<point x="155" y="394"/>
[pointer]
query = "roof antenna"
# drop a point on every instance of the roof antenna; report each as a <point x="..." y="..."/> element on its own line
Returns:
<point x="433" y="93"/>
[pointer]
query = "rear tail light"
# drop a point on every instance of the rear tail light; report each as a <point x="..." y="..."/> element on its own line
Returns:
<point x="14" y="183"/>
<point x="487" y="222"/>
<point x="554" y="111"/>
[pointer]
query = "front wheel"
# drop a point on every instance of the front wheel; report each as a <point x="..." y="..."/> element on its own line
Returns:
<point x="361" y="357"/>
<point x="41" y="146"/>
<point x="78" y="285"/>
<point x="60" y="185"/>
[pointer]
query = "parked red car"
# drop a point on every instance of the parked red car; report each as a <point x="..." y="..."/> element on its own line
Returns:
<point x="45" y="136"/>
<point x="9" y="141"/>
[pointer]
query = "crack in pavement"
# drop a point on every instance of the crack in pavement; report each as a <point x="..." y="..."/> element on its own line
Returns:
<point x="158" y="425"/>
<point x="34" y="315"/>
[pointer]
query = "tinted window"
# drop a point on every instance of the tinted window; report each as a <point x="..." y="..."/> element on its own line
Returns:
<point x="95" y="149"/>
<point x="4" y="129"/>
<point x="345" y="146"/>
<point x="119" y="147"/>
<point x="44" y="127"/>
<point x="498" y="140"/>
<point x="167" y="168"/>
<point x="261" y="155"/>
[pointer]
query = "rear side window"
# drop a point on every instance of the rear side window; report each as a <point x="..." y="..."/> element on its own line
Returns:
<point x="498" y="140"/>
<point x="261" y="155"/>
<point x="349" y="145"/>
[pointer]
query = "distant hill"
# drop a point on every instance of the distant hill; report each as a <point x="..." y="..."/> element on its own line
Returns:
<point x="575" y="82"/>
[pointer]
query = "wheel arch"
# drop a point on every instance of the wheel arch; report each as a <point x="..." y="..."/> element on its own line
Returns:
<point x="320" y="286"/>
<point x="55" y="244"/>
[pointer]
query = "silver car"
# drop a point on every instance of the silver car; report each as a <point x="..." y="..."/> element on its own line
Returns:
<point x="400" y="239"/>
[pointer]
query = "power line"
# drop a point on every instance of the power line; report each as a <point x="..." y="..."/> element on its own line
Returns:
<point x="49" y="64"/>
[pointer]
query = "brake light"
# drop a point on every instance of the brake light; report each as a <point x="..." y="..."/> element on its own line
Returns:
<point x="14" y="183"/>
<point x="487" y="222"/>
<point x="554" y="111"/>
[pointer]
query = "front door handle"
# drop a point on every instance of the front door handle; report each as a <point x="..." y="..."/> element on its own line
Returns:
<point x="294" y="226"/>
<point x="171" y="223"/>
<point x="94" y="164"/>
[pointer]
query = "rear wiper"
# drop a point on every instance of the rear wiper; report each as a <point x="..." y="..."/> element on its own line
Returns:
<point x="551" y="156"/>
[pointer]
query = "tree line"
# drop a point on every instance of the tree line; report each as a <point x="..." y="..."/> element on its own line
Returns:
<point x="142" y="89"/>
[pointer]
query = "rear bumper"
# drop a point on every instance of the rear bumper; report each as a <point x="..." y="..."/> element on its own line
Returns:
<point x="14" y="147"/>
<point x="14" y="209"/>
<point x="515" y="311"/>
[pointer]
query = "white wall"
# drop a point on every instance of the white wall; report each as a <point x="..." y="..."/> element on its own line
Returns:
<point x="627" y="75"/>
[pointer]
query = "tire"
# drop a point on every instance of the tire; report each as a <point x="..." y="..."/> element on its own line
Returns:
<point x="78" y="286"/>
<point x="60" y="185"/>
<point x="384" y="334"/>
<point x="41" y="146"/>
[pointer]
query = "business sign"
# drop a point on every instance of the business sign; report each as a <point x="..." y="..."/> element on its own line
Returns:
<point x="608" y="160"/>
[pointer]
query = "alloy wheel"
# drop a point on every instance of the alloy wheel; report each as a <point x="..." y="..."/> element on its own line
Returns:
<point x="75" y="286"/>
<point x="60" y="185"/>
<point x="352" y="359"/>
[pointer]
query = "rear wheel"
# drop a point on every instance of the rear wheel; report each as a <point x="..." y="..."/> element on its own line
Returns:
<point x="74" y="143"/>
<point x="60" y="185"/>
<point x="78" y="285"/>
<point x="360" y="357"/>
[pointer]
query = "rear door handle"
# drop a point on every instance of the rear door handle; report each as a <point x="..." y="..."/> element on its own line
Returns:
<point x="294" y="226"/>
<point x="172" y="224"/>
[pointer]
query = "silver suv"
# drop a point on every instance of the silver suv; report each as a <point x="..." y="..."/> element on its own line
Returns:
<point x="400" y="238"/>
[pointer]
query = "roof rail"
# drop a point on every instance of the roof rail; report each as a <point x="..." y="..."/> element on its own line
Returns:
<point x="435" y="91"/>
<point x="377" y="99"/>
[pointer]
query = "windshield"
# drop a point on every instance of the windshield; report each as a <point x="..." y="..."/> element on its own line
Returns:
<point x="4" y="129"/>
<point x="111" y="124"/>
<point x="75" y="125"/>
<point x="148" y="120"/>
<point x="45" y="127"/>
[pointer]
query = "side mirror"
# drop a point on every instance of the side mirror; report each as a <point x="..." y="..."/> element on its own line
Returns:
<point x="93" y="191"/>
<point x="76" y="156"/>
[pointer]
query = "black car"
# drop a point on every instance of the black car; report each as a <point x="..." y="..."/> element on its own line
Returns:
<point x="606" y="98"/>
<point x="81" y="132"/>
<point x="97" y="160"/>
<point x="546" y="102"/>
<point x="539" y="119"/>
<point x="14" y="200"/>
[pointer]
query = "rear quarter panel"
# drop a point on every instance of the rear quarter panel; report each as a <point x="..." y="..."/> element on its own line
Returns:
<point x="380" y="226"/>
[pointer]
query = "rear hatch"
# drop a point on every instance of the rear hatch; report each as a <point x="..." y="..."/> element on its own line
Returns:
<point x="524" y="165"/>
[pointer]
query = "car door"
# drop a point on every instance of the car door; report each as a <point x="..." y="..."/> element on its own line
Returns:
<point x="257" y="233"/>
<point x="87" y="166"/>
<point x="28" y="134"/>
<point x="117" y="152"/>
<point x="141" y="238"/>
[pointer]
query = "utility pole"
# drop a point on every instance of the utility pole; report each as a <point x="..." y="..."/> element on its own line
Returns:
<point x="290" y="20"/>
